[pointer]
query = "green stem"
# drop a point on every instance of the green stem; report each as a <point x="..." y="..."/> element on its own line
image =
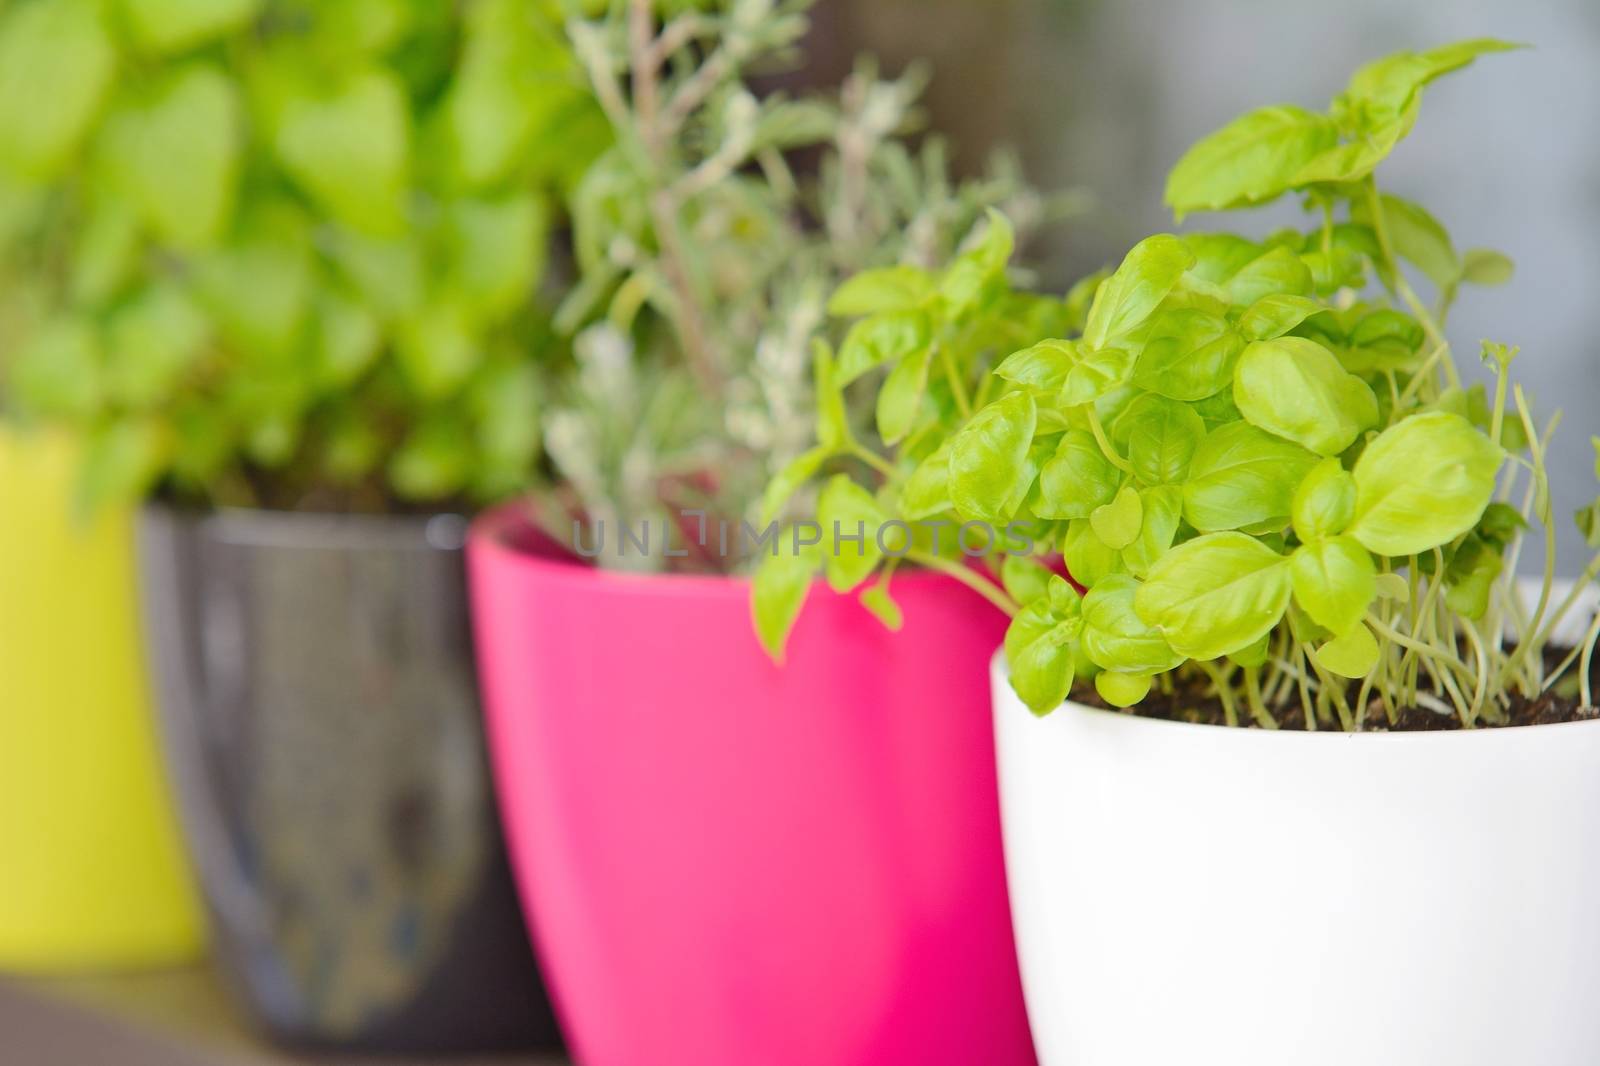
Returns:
<point x="1428" y="653"/>
<point x="1537" y="627"/>
<point x="1589" y="574"/>
<point x="1585" y="649"/>
<point x="1111" y="453"/>
<point x="874" y="460"/>
<point x="1230" y="712"/>
<point x="1258" y="706"/>
<point x="957" y="388"/>
<point x="1331" y="687"/>
<point x="986" y="589"/>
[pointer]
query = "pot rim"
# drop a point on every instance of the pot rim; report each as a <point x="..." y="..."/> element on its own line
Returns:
<point x="491" y="535"/>
<point x="1001" y="676"/>
<point x="444" y="531"/>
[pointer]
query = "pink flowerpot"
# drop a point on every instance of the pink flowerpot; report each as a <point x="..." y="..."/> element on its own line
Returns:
<point x="728" y="863"/>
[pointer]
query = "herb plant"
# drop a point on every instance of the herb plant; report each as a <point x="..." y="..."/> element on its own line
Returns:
<point x="285" y="252"/>
<point x="706" y="241"/>
<point x="1266" y="476"/>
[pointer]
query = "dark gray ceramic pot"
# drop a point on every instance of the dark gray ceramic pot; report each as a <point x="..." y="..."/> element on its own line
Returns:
<point x="319" y="706"/>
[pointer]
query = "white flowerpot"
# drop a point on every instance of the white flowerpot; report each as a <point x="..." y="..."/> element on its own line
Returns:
<point x="1192" y="895"/>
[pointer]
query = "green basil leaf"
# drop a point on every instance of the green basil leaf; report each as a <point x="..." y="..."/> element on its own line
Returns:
<point x="1588" y="522"/>
<point x="106" y="251"/>
<point x="258" y="287"/>
<point x="153" y="341"/>
<point x="1422" y="483"/>
<point x="881" y="339"/>
<point x="1162" y="437"/>
<point x="833" y="418"/>
<point x="1095" y="375"/>
<point x="1272" y="316"/>
<point x="1078" y="479"/>
<point x="847" y="511"/>
<point x="1419" y="238"/>
<point x="433" y="462"/>
<point x="516" y="88"/>
<point x="872" y="292"/>
<point x="1324" y="503"/>
<point x="778" y="592"/>
<point x="1276" y="272"/>
<point x="1189" y="355"/>
<point x="1296" y="389"/>
<point x="1388" y="87"/>
<point x="1334" y="269"/>
<point x="1088" y="559"/>
<point x="178" y="151"/>
<point x="1218" y="257"/>
<point x="900" y="399"/>
<point x="438" y="349"/>
<point x="57" y="373"/>
<point x="1242" y="477"/>
<point x="927" y="491"/>
<point x="1335" y="581"/>
<point x="1216" y="595"/>
<point x="347" y="343"/>
<point x="973" y="278"/>
<point x="876" y="599"/>
<point x="165" y="26"/>
<point x="1218" y="410"/>
<point x="1025" y="578"/>
<point x="503" y="404"/>
<point x="1255" y="656"/>
<point x="1353" y="162"/>
<point x="1352" y="655"/>
<point x="1117" y="523"/>
<point x="1043" y="366"/>
<point x="354" y="447"/>
<point x="1383" y="340"/>
<point x="123" y="460"/>
<point x="1484" y="266"/>
<point x="1122" y="690"/>
<point x="350" y="149"/>
<point x="1163" y="513"/>
<point x="498" y="249"/>
<point x="387" y="273"/>
<point x="989" y="459"/>
<point x="1473" y="573"/>
<point x="787" y="482"/>
<point x="1041" y="654"/>
<point x="1129" y="296"/>
<point x="57" y="60"/>
<point x="1114" y="634"/>
<point x="1040" y="616"/>
<point x="1251" y="160"/>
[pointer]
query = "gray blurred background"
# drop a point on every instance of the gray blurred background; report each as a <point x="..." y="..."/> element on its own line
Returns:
<point x="1106" y="94"/>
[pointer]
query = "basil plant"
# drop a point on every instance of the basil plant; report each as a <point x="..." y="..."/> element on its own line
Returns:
<point x="1268" y="481"/>
<point x="285" y="252"/>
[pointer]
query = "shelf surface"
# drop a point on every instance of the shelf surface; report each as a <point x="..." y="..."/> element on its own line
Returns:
<point x="173" y="1018"/>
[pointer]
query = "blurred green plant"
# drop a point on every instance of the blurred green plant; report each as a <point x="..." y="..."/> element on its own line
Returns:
<point x="286" y="252"/>
<point x="707" y="240"/>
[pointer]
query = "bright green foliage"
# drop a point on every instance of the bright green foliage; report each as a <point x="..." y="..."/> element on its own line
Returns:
<point x="1276" y="150"/>
<point x="57" y="61"/>
<point x="722" y="237"/>
<point x="285" y="252"/>
<point x="1256" y="458"/>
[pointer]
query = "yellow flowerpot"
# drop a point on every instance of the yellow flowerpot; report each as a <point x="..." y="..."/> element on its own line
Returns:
<point x="91" y="872"/>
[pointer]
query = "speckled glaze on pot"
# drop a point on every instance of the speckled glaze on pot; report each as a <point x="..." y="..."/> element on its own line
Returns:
<point x="319" y="705"/>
